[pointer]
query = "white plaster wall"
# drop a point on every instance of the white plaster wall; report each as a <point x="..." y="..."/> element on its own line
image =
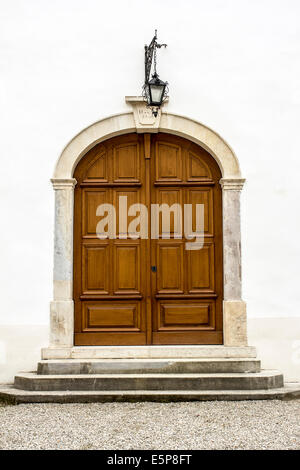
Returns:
<point x="278" y="345"/>
<point x="20" y="349"/>
<point x="231" y="64"/>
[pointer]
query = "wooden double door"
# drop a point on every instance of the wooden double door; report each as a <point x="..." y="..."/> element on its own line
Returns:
<point x="137" y="290"/>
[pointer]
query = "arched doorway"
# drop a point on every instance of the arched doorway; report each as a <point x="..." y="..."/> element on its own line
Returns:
<point x="147" y="288"/>
<point x="139" y="120"/>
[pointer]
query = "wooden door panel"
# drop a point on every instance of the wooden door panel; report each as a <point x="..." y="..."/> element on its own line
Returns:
<point x="186" y="314"/>
<point x="169" y="222"/>
<point x="127" y="268"/>
<point x="169" y="267"/>
<point x="91" y="199"/>
<point x="95" y="268"/>
<point x="187" y="287"/>
<point x="130" y="290"/>
<point x="108" y="316"/>
<point x="97" y="170"/>
<point x="127" y="162"/>
<point x="200" y="269"/>
<point x="202" y="196"/>
<point x="110" y="300"/>
<point x="134" y="196"/>
<point x="168" y="162"/>
<point x="197" y="169"/>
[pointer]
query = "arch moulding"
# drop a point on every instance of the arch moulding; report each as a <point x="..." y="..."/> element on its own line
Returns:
<point x="140" y="120"/>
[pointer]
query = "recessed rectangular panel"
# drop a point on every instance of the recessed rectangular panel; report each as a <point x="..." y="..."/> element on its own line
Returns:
<point x="170" y="267"/>
<point x="92" y="199"/>
<point x="204" y="197"/>
<point x="168" y="162"/>
<point x="184" y="315"/>
<point x="170" y="212"/>
<point x="95" y="269"/>
<point x="123" y="200"/>
<point x="110" y="315"/>
<point x="201" y="269"/>
<point x="127" y="269"/>
<point x="126" y="162"/>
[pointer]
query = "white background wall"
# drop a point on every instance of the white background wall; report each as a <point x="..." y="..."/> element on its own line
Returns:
<point x="232" y="64"/>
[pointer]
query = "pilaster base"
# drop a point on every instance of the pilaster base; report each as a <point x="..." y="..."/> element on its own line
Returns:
<point x="61" y="324"/>
<point x="235" y="323"/>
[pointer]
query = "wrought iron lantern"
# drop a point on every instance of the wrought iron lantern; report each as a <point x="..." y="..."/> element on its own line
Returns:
<point x="155" y="90"/>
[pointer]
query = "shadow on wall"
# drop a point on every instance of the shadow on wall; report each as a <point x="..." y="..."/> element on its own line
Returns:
<point x="20" y="349"/>
<point x="278" y="344"/>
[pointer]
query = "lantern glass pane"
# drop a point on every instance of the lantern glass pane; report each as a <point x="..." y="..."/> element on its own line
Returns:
<point x="147" y="93"/>
<point x="156" y="93"/>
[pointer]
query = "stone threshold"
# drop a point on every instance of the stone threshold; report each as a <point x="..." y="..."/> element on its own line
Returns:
<point x="148" y="352"/>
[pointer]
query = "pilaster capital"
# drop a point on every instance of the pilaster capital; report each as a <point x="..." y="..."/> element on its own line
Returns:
<point x="66" y="183"/>
<point x="232" y="184"/>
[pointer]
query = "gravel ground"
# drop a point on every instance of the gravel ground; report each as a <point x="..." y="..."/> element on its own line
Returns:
<point x="202" y="425"/>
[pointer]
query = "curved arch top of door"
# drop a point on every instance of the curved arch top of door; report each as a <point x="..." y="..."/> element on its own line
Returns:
<point x="125" y="123"/>
<point x="133" y="291"/>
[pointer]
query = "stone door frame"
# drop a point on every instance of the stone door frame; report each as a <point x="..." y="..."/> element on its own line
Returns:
<point x="140" y="119"/>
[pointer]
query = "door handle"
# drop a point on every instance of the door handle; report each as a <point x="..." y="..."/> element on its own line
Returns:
<point x="153" y="269"/>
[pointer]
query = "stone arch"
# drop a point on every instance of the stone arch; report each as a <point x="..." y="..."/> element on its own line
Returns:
<point x="140" y="120"/>
<point x="125" y="123"/>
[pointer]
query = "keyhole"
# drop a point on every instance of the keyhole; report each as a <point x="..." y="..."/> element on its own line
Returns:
<point x="153" y="269"/>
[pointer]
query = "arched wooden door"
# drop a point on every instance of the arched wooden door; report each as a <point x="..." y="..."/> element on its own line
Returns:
<point x="135" y="291"/>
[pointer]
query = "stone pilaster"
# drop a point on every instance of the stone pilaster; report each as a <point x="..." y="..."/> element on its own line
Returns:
<point x="234" y="309"/>
<point x="62" y="306"/>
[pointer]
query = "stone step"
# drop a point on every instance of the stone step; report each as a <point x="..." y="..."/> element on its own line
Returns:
<point x="121" y="382"/>
<point x="15" y="396"/>
<point x="146" y="366"/>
